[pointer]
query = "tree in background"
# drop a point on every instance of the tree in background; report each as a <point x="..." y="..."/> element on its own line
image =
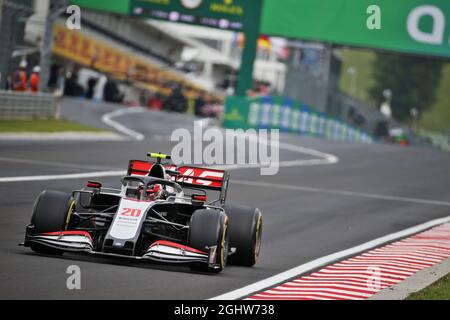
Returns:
<point x="413" y="81"/>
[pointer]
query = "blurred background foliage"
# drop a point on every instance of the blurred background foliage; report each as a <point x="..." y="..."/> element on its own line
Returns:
<point x="419" y="81"/>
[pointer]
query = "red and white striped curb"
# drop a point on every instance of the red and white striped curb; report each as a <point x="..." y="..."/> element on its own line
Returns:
<point x="365" y="275"/>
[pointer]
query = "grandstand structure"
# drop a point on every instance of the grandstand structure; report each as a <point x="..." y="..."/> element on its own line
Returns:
<point x="218" y="54"/>
<point x="146" y="54"/>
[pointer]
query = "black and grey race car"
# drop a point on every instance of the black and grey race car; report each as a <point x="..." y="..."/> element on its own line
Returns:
<point x="160" y="213"/>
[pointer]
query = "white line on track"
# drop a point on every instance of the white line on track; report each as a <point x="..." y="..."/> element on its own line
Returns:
<point x="62" y="136"/>
<point x="64" y="176"/>
<point x="321" y="158"/>
<point x="304" y="268"/>
<point x="108" y="120"/>
<point x="341" y="193"/>
<point x="101" y="174"/>
<point x="53" y="164"/>
<point x="324" y="159"/>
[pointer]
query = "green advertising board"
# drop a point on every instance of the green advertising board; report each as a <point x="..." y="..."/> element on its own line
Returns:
<point x="412" y="26"/>
<point x="235" y="15"/>
<point x="115" y="6"/>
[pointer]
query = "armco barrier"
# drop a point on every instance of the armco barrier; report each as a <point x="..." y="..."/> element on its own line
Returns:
<point x="287" y="115"/>
<point x="15" y="105"/>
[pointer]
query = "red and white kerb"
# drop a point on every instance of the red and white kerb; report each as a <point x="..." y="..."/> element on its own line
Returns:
<point x="363" y="276"/>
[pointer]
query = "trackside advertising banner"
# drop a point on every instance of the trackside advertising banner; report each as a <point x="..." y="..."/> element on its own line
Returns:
<point x="287" y="115"/>
<point x="412" y="26"/>
<point x="115" y="6"/>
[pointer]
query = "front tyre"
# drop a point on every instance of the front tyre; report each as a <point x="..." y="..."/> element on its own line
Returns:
<point x="51" y="213"/>
<point x="245" y="234"/>
<point x="209" y="228"/>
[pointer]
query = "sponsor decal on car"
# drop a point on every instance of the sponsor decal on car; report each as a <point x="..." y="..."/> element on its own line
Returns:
<point x="129" y="218"/>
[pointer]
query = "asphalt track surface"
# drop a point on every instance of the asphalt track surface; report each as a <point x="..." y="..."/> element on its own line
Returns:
<point x="300" y="224"/>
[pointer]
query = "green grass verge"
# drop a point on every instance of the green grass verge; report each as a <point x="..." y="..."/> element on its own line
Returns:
<point x="438" y="117"/>
<point x="440" y="290"/>
<point x="43" y="126"/>
<point x="361" y="61"/>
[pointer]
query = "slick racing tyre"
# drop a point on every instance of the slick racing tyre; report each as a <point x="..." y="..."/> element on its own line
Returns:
<point x="209" y="228"/>
<point x="51" y="213"/>
<point x="245" y="229"/>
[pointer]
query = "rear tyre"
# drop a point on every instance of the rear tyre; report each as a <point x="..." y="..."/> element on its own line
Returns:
<point x="209" y="228"/>
<point x="51" y="213"/>
<point x="245" y="234"/>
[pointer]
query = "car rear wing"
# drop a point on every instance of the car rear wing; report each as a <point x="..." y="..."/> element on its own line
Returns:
<point x="204" y="178"/>
<point x="188" y="176"/>
<point x="139" y="167"/>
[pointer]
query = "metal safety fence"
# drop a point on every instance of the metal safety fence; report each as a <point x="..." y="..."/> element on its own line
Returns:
<point x="15" y="105"/>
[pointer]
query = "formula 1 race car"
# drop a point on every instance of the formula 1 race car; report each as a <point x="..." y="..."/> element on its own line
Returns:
<point x="161" y="213"/>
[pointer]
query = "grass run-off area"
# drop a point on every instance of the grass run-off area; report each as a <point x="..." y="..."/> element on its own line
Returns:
<point x="43" y="126"/>
<point x="440" y="290"/>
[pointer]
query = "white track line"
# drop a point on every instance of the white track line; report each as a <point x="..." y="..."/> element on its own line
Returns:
<point x="341" y="193"/>
<point x="101" y="174"/>
<point x="53" y="164"/>
<point x="281" y="164"/>
<point x="62" y="136"/>
<point x="107" y="119"/>
<point x="329" y="158"/>
<point x="304" y="268"/>
<point x="324" y="158"/>
<point x="64" y="176"/>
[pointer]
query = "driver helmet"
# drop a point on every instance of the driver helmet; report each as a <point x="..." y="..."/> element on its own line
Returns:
<point x="154" y="192"/>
